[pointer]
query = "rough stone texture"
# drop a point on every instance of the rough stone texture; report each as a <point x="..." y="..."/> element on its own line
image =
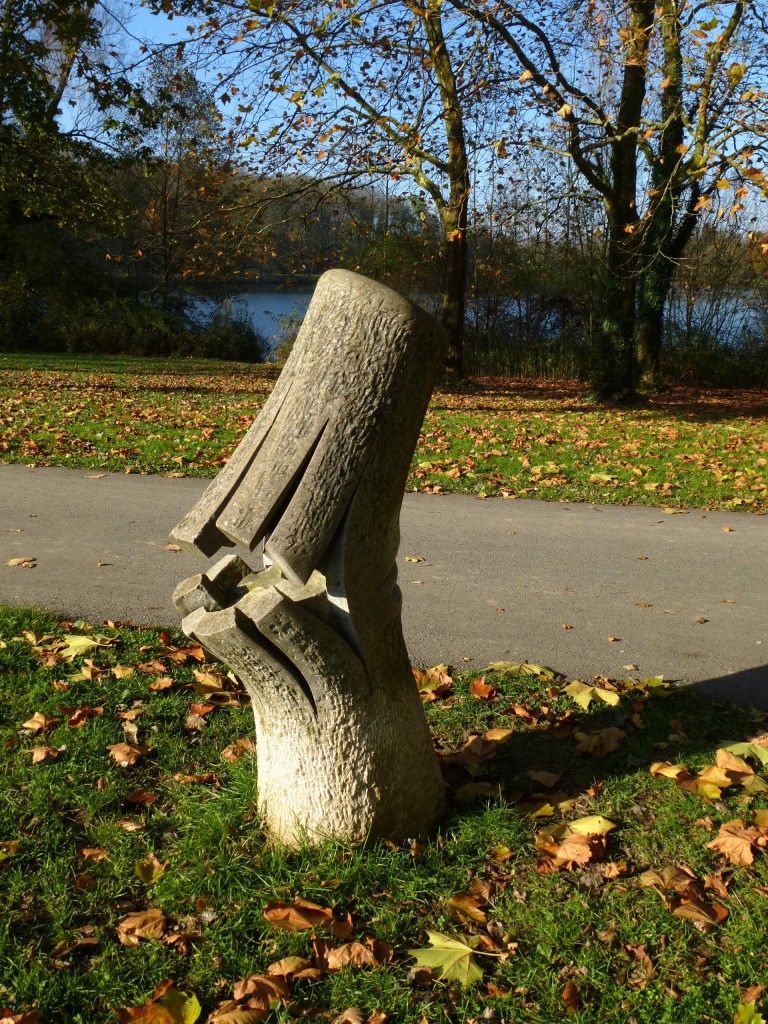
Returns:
<point x="343" y="748"/>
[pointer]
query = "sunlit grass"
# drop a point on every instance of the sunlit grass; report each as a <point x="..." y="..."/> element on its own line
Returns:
<point x="514" y="439"/>
<point x="571" y="927"/>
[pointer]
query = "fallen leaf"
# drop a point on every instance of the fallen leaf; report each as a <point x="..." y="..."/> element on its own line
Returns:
<point x="149" y="869"/>
<point x="735" y="842"/>
<point x="160" y="684"/>
<point x="40" y="722"/>
<point x="205" y="778"/>
<point x="40" y="754"/>
<point x="261" y="990"/>
<point x="466" y="908"/>
<point x="593" y="825"/>
<point x="144" y="924"/>
<point x="601" y="743"/>
<point x="139" y="796"/>
<point x="126" y="754"/>
<point x="450" y="957"/>
<point x="23" y="563"/>
<point x="94" y="853"/>
<point x="129" y="825"/>
<point x="298" y="916"/>
<point x="235" y="750"/>
<point x="584" y="695"/>
<point x="82" y="716"/>
<point x="482" y="690"/>
<point x="75" y="644"/>
<point x="570" y="997"/>
<point x="698" y="910"/>
<point x="747" y="1013"/>
<point x="167" y="1005"/>
<point x="547" y="779"/>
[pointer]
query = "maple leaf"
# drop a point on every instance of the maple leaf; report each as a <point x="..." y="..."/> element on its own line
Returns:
<point x="40" y="754"/>
<point x="584" y="695"/>
<point x="482" y="690"/>
<point x="126" y="754"/>
<point x="450" y="957"/>
<point x="466" y="908"/>
<point x="149" y="869"/>
<point x="75" y="644"/>
<point x="167" y="1005"/>
<point x="747" y="1013"/>
<point x="735" y="842"/>
<point x="144" y="924"/>
<point x="235" y="750"/>
<point x="601" y="743"/>
<point x="297" y="916"/>
<point x="754" y="749"/>
<point x="40" y="722"/>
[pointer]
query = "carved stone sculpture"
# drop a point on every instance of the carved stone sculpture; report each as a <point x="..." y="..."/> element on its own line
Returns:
<point x="343" y="748"/>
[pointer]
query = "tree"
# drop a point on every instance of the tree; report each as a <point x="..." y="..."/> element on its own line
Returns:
<point x="659" y="105"/>
<point x="381" y="91"/>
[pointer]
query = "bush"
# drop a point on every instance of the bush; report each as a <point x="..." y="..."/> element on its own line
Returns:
<point x="112" y="325"/>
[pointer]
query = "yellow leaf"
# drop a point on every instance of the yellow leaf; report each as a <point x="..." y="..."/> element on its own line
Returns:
<point x="593" y="825"/>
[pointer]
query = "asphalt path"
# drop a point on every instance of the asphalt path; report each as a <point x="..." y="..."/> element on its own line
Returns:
<point x="586" y="589"/>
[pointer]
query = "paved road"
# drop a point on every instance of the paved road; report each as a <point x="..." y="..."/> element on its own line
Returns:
<point x="500" y="579"/>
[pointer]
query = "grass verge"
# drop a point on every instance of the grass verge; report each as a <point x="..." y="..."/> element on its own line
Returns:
<point x="688" y="448"/>
<point x="576" y="926"/>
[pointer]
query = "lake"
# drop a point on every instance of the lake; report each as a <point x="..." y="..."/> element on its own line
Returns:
<point x="268" y="310"/>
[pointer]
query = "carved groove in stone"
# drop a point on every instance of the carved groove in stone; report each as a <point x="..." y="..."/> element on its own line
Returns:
<point x="343" y="748"/>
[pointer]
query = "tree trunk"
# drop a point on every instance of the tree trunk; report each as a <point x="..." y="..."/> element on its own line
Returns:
<point x="453" y="306"/>
<point x="454" y="213"/>
<point x="343" y="748"/>
<point x="614" y="375"/>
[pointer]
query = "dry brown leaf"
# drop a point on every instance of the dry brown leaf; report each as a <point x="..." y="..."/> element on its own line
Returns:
<point x="297" y="916"/>
<point x="547" y="779"/>
<point x="206" y="778"/>
<point x="139" y="796"/>
<point x="160" y="684"/>
<point x="235" y="750"/>
<point x="482" y="690"/>
<point x="352" y="954"/>
<point x="40" y="722"/>
<point x="570" y="996"/>
<point x="144" y="924"/>
<point x="94" y="853"/>
<point x="466" y="908"/>
<point x="294" y="967"/>
<point x="701" y="912"/>
<point x="129" y="825"/>
<point x="601" y="743"/>
<point x="126" y="754"/>
<point x="260" y="990"/>
<point x="735" y="841"/>
<point x="83" y="715"/>
<point x="671" y="877"/>
<point x="731" y="763"/>
<point x="40" y="754"/>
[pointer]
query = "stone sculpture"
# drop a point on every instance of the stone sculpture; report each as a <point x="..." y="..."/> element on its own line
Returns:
<point x="343" y="748"/>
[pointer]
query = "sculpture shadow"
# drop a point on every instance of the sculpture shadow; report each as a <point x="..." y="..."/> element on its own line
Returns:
<point x="690" y="721"/>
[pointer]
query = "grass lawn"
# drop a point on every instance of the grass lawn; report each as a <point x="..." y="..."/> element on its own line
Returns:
<point x="529" y="439"/>
<point x="122" y="882"/>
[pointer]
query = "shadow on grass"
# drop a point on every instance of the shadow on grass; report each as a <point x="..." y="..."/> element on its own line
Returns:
<point x="686" y="723"/>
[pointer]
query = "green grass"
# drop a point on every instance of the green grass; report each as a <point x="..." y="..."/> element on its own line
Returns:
<point x="572" y="926"/>
<point x="688" y="448"/>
